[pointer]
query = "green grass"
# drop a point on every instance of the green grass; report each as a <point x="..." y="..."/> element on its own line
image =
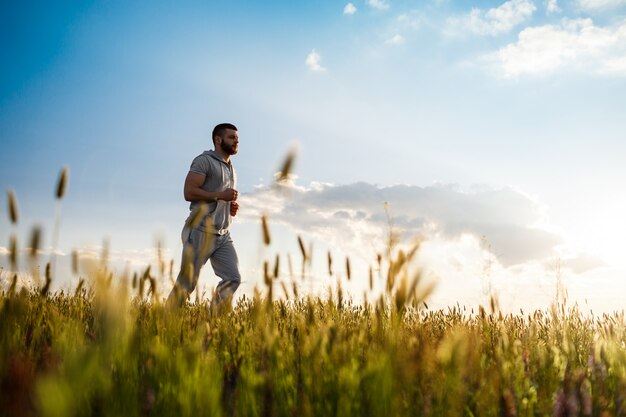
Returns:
<point x="91" y="354"/>
<point x="105" y="352"/>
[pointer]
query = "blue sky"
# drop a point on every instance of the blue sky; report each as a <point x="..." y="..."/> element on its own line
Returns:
<point x="503" y="121"/>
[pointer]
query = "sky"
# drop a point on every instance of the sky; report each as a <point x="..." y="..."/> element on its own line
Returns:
<point x="490" y="131"/>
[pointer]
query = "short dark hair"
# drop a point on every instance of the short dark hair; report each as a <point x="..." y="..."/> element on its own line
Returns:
<point x="219" y="130"/>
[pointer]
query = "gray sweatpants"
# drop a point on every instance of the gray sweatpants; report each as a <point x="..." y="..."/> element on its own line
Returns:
<point x="198" y="248"/>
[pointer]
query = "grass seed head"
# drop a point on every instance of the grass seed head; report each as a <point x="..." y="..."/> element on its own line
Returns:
<point x="330" y="264"/>
<point x="266" y="230"/>
<point x="285" y="290"/>
<point x="287" y="167"/>
<point x="46" y="287"/>
<point x="267" y="278"/>
<point x="13" y="285"/>
<point x="75" y="262"/>
<point x="198" y="214"/>
<point x="348" y="270"/>
<point x="79" y="288"/>
<point x="277" y="266"/>
<point x="62" y="183"/>
<point x="302" y="249"/>
<point x="13" y="252"/>
<point x="35" y="240"/>
<point x="13" y="211"/>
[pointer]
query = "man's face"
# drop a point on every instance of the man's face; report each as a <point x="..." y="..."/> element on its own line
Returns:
<point x="229" y="141"/>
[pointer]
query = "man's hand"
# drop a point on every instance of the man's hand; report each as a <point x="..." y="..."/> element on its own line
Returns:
<point x="234" y="208"/>
<point x="229" y="194"/>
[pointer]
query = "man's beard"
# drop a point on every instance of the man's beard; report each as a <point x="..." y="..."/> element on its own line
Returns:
<point x="229" y="149"/>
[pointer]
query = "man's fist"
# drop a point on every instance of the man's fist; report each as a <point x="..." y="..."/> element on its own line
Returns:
<point x="234" y="208"/>
<point x="229" y="194"/>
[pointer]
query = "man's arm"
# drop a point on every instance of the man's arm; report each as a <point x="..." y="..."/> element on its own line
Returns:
<point x="193" y="190"/>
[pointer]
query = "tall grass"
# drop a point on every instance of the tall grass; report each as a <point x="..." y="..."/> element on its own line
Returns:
<point x="112" y="349"/>
<point x="85" y="354"/>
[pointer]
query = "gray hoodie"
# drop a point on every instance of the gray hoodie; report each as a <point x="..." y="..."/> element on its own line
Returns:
<point x="220" y="175"/>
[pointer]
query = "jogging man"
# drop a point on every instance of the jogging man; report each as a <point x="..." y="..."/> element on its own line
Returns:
<point x="211" y="187"/>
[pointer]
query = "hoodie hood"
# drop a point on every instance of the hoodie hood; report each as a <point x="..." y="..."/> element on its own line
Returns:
<point x="213" y="154"/>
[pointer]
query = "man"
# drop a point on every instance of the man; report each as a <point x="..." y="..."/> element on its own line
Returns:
<point x="211" y="187"/>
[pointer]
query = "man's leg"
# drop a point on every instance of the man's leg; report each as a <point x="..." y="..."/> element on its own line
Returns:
<point x="196" y="251"/>
<point x="225" y="263"/>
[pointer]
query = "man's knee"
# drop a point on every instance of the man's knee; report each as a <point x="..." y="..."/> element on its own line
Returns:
<point x="227" y="287"/>
<point x="233" y="282"/>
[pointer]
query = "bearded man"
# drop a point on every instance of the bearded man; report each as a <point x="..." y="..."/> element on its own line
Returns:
<point x="211" y="188"/>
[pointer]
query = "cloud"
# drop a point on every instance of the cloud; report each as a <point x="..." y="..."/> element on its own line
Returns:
<point x="353" y="216"/>
<point x="552" y="7"/>
<point x="4" y="251"/>
<point x="411" y="20"/>
<point x="378" y="4"/>
<point x="349" y="9"/>
<point x="493" y="22"/>
<point x="600" y="4"/>
<point x="395" y="40"/>
<point x="313" y="62"/>
<point x="582" y="263"/>
<point x="573" y="44"/>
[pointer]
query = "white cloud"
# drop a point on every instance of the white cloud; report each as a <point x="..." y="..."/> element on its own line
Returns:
<point x="353" y="216"/>
<point x="313" y="62"/>
<point x="4" y="251"/>
<point x="396" y="40"/>
<point x="493" y="22"/>
<point x="600" y="4"/>
<point x="411" y="20"/>
<point x="474" y="241"/>
<point x="349" y="9"/>
<point x="574" y="44"/>
<point x="552" y="7"/>
<point x="378" y="4"/>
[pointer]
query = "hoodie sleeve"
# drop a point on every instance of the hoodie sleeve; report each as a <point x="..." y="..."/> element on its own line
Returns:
<point x="200" y="165"/>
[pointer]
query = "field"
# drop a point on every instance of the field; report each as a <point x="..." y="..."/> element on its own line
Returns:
<point x="112" y="348"/>
<point x="92" y="353"/>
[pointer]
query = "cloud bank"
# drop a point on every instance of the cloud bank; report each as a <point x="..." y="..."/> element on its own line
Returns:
<point x="495" y="21"/>
<point x="573" y="44"/>
<point x="600" y="4"/>
<point x="378" y="4"/>
<point x="355" y="215"/>
<point x="552" y="7"/>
